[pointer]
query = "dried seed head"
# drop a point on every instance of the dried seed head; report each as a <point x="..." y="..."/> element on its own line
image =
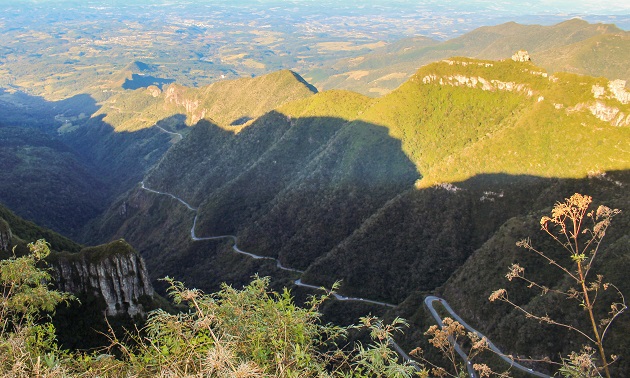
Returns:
<point x="497" y="295"/>
<point x="515" y="272"/>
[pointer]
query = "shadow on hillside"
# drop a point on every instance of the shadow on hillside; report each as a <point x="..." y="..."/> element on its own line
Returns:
<point x="498" y="210"/>
<point x="276" y="155"/>
<point x="24" y="110"/>
<point x="173" y="123"/>
<point x="43" y="178"/>
<point x="138" y="81"/>
<point x="69" y="164"/>
<point x="333" y="197"/>
<point x="124" y="157"/>
<point x="289" y="187"/>
<point x="299" y="78"/>
<point x="241" y="121"/>
<point x="421" y="237"/>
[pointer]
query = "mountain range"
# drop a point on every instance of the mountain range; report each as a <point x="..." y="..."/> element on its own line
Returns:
<point x="574" y="46"/>
<point x="393" y="196"/>
<point x="424" y="189"/>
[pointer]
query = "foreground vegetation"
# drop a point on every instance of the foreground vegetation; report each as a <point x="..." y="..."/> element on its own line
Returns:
<point x="257" y="332"/>
<point x="579" y="230"/>
<point x="251" y="332"/>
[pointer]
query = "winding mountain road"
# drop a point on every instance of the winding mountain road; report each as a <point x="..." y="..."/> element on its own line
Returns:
<point x="340" y="297"/>
<point x="428" y="301"/>
<point x="170" y="132"/>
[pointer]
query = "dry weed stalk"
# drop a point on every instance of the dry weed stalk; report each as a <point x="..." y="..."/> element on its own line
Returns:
<point x="567" y="226"/>
<point x="444" y="339"/>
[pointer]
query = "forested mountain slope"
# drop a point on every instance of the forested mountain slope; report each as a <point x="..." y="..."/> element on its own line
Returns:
<point x="65" y="161"/>
<point x="339" y="174"/>
<point x="391" y="195"/>
<point x="44" y="180"/>
<point x="228" y="102"/>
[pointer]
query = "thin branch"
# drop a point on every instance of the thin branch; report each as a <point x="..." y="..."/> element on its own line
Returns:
<point x="552" y="262"/>
<point x="545" y="319"/>
<point x="564" y="245"/>
<point x="544" y="289"/>
<point x="616" y="313"/>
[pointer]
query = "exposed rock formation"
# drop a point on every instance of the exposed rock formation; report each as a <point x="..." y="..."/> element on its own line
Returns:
<point x="617" y="90"/>
<point x="609" y="114"/>
<point x="113" y="271"/>
<point x="5" y="236"/>
<point x="479" y="82"/>
<point x="606" y="112"/>
<point x="175" y="94"/>
<point x="465" y="63"/>
<point x="521" y="56"/>
<point x="153" y="90"/>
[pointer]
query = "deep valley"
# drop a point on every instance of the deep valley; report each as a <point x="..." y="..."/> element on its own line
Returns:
<point x="391" y="173"/>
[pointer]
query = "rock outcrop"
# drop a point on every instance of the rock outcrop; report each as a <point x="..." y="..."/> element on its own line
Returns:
<point x="176" y="94"/>
<point x="605" y="111"/>
<point x="5" y="236"/>
<point x="114" y="272"/>
<point x="479" y="82"/>
<point x="521" y="56"/>
<point x="609" y="114"/>
<point x="617" y="90"/>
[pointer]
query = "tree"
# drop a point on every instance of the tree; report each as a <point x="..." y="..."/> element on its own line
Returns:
<point x="568" y="226"/>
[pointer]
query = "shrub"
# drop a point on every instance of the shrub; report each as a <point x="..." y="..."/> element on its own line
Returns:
<point x="27" y="337"/>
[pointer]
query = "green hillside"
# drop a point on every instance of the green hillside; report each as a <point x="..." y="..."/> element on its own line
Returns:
<point x="330" y="168"/>
<point x="62" y="165"/>
<point x="228" y="103"/>
<point x="132" y="130"/>
<point x="24" y="230"/>
<point x="390" y="195"/>
<point x="567" y="46"/>
<point x="523" y="120"/>
<point x="484" y="272"/>
<point x="236" y="178"/>
<point x="413" y="172"/>
<point x="496" y="140"/>
<point x="496" y="42"/>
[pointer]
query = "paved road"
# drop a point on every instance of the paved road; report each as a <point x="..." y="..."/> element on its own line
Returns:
<point x="340" y="297"/>
<point x="194" y="236"/>
<point x="428" y="300"/>
<point x="170" y="132"/>
<point x="168" y="194"/>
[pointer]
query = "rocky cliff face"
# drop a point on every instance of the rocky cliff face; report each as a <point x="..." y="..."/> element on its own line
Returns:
<point x="114" y="272"/>
<point x="176" y="94"/>
<point x="608" y="113"/>
<point x="5" y="236"/>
